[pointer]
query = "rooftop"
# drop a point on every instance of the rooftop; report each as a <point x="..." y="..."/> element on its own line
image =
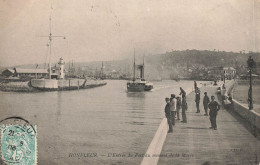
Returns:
<point x="20" y="70"/>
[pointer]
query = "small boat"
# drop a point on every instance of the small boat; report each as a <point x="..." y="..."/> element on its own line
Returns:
<point x="139" y="84"/>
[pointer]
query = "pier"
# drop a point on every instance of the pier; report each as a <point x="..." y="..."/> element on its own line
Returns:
<point x="194" y="143"/>
<point x="38" y="85"/>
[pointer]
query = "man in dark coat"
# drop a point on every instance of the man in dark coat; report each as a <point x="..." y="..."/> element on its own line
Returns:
<point x="182" y="93"/>
<point x="168" y="114"/>
<point x="173" y="109"/>
<point x="184" y="108"/>
<point x="197" y="99"/>
<point x="195" y="84"/>
<point x="178" y="107"/>
<point x="205" y="103"/>
<point x="214" y="107"/>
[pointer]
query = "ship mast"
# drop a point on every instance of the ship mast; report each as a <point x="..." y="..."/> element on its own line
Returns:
<point x="134" y="66"/>
<point x="143" y="66"/>
<point x="50" y="39"/>
<point x="102" y="71"/>
<point x="50" y="36"/>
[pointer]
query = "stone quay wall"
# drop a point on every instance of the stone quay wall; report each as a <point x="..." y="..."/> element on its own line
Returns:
<point x="249" y="115"/>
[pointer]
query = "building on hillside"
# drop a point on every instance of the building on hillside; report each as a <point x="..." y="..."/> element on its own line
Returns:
<point x="230" y="72"/>
<point x="112" y="74"/>
<point x="220" y="72"/>
<point x="215" y="72"/>
<point x="247" y="77"/>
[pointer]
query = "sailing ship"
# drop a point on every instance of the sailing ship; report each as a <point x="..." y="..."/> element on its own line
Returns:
<point x="139" y="84"/>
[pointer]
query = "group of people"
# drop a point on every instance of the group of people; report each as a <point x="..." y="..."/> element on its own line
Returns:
<point x="207" y="104"/>
<point x="205" y="101"/>
<point x="173" y="107"/>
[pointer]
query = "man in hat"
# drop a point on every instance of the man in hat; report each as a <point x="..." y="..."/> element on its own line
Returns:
<point x="205" y="103"/>
<point x="168" y="114"/>
<point x="214" y="107"/>
<point x="173" y="109"/>
<point x="197" y="99"/>
<point x="178" y="107"/>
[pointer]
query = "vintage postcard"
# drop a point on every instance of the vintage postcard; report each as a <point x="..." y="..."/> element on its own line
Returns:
<point x="129" y="82"/>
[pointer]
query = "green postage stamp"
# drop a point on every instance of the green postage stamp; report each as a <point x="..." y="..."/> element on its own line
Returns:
<point x="18" y="144"/>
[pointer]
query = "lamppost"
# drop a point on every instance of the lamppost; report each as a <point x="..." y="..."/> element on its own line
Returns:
<point x="222" y="61"/>
<point x="224" y="78"/>
<point x="251" y="64"/>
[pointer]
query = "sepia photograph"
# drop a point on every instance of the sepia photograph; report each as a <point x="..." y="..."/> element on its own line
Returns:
<point x="129" y="82"/>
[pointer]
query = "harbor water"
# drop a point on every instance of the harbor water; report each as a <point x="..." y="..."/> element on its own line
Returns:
<point x="104" y="125"/>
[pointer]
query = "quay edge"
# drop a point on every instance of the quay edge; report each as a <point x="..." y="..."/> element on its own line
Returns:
<point x="38" y="85"/>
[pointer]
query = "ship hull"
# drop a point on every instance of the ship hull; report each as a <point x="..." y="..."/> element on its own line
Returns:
<point x="135" y="87"/>
<point x="60" y="85"/>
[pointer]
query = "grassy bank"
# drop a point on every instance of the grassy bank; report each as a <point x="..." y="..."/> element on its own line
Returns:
<point x="240" y="93"/>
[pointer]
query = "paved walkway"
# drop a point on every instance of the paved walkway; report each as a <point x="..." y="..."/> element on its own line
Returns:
<point x="194" y="143"/>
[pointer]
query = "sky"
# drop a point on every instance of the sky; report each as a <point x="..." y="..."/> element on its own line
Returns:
<point x="102" y="30"/>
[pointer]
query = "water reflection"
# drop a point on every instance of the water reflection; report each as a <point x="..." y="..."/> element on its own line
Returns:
<point x="136" y="108"/>
<point x="135" y="123"/>
<point x="136" y="94"/>
<point x="139" y="112"/>
<point x="59" y="101"/>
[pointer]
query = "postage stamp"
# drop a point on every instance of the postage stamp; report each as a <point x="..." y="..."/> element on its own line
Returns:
<point x="18" y="144"/>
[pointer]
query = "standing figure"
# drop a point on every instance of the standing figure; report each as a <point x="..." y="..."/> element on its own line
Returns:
<point x="168" y="114"/>
<point x="184" y="107"/>
<point x="231" y="106"/>
<point x="214" y="107"/>
<point x="230" y="99"/>
<point x="205" y="103"/>
<point x="178" y="107"/>
<point x="173" y="109"/>
<point x="195" y="85"/>
<point x="197" y="99"/>
<point x="182" y="93"/>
